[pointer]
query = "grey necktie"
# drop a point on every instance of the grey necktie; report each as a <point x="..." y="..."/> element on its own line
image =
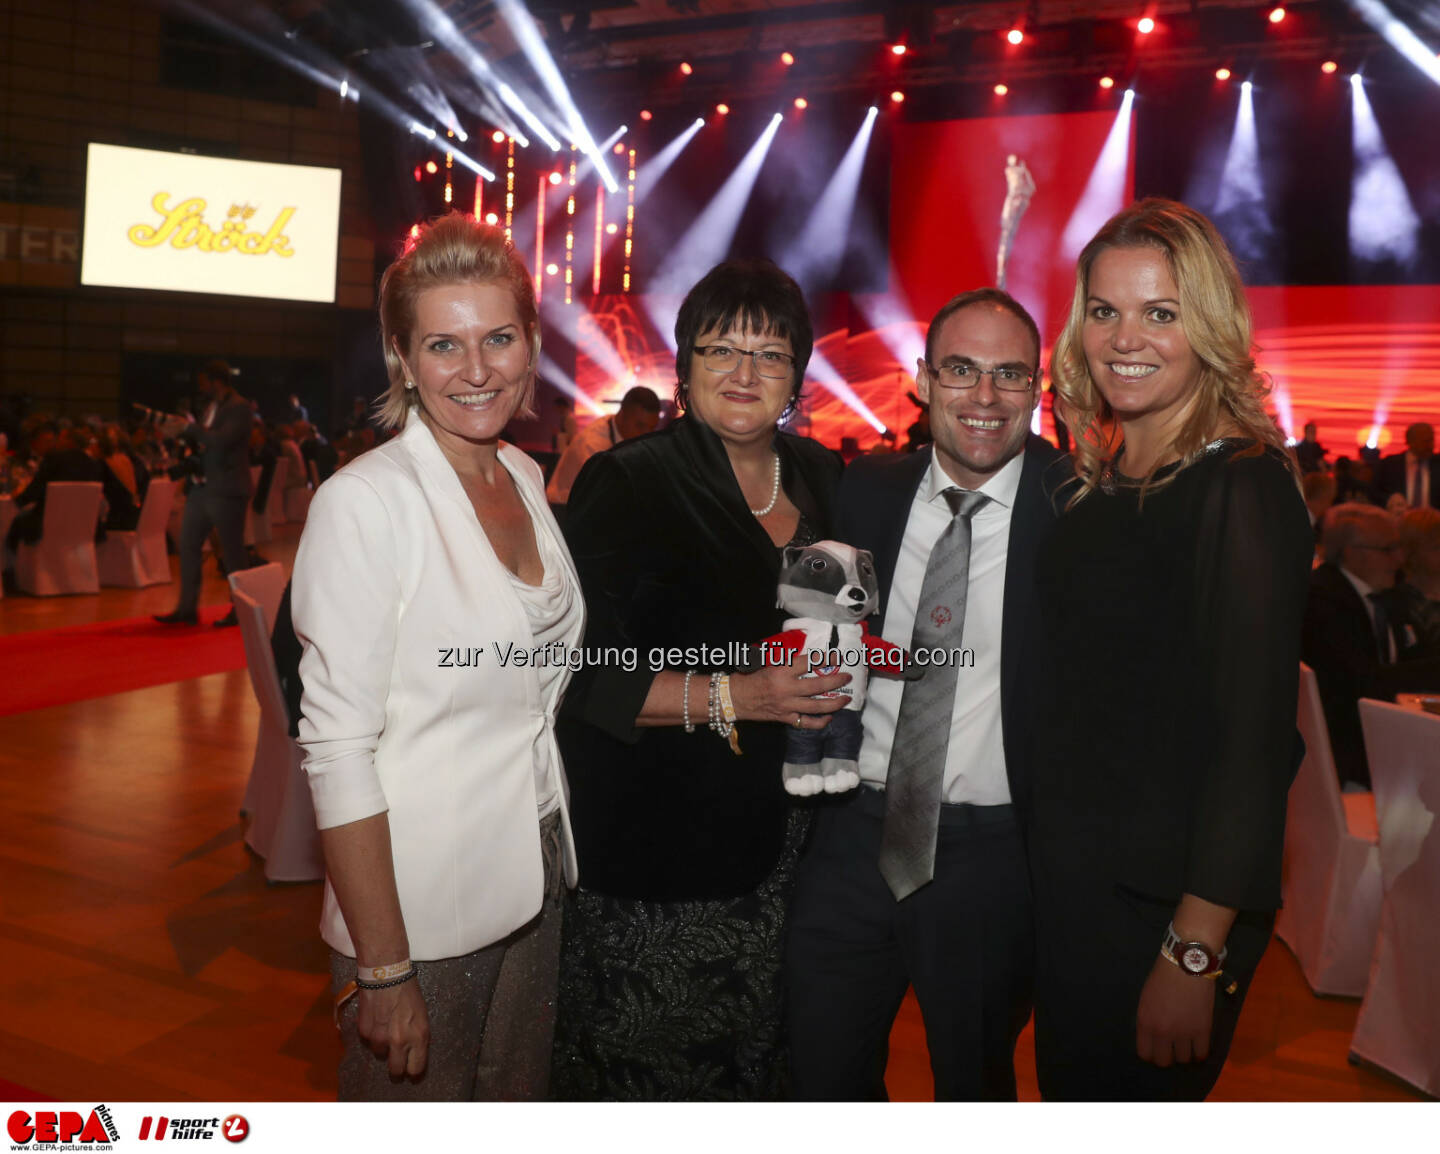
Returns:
<point x="922" y="730"/>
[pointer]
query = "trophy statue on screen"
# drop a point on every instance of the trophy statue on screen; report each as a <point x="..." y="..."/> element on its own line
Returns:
<point x="1019" y="188"/>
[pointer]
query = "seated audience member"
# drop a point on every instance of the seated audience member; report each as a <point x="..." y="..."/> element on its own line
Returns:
<point x="67" y="461"/>
<point x="287" y="444"/>
<point x="1319" y="489"/>
<point x="264" y="451"/>
<point x="1349" y="638"/>
<point x="886" y="444"/>
<point x="1414" y="475"/>
<point x="117" y="475"/>
<point x="1309" y="452"/>
<point x="321" y="459"/>
<point x="639" y="413"/>
<point x="1417" y="593"/>
<point x="1352" y="482"/>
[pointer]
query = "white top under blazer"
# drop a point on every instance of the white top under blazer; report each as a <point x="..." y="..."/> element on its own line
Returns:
<point x="394" y="570"/>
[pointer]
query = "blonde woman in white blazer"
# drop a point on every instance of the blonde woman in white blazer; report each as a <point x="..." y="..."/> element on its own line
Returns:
<point x="426" y="566"/>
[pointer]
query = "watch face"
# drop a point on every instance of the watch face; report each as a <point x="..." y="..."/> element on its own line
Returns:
<point x="1195" y="960"/>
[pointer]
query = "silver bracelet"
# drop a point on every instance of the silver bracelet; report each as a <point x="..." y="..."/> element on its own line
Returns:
<point x="685" y="708"/>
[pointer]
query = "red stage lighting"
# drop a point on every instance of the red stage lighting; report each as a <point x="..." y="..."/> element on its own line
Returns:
<point x="1107" y="82"/>
<point x="685" y="68"/>
<point x="414" y="232"/>
<point x="897" y="97"/>
<point x="619" y="150"/>
<point x="552" y="268"/>
<point x="612" y="228"/>
<point x="1222" y="74"/>
<point x="556" y="178"/>
<point x="722" y="109"/>
<point x="419" y="173"/>
<point x="491" y="218"/>
<point x="1277" y="15"/>
<point x="646" y="114"/>
<point x="1015" y="36"/>
<point x="431" y="167"/>
<point x="1328" y="67"/>
<point x="801" y="103"/>
<point x="787" y="59"/>
<point x="498" y="136"/>
<point x="898" y="49"/>
<point x="1145" y="26"/>
<point x="1001" y="89"/>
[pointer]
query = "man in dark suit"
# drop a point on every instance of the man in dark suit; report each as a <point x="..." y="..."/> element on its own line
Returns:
<point x="67" y="461"/>
<point x="1415" y="473"/>
<point x="220" y="492"/>
<point x="1350" y="639"/>
<point x="918" y="877"/>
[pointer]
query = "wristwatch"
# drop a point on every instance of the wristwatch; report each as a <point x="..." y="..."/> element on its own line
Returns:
<point x="1193" y="957"/>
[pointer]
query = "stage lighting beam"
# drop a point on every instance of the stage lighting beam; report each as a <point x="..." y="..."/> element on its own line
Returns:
<point x="1399" y="36"/>
<point x="1383" y="222"/>
<point x="813" y="258"/>
<point x="1104" y="193"/>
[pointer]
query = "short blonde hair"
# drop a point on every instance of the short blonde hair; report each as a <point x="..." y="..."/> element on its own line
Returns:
<point x="1216" y="320"/>
<point x="453" y="249"/>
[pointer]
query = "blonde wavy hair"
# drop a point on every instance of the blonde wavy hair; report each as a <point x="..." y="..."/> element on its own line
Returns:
<point x="1231" y="392"/>
<point x="452" y="249"/>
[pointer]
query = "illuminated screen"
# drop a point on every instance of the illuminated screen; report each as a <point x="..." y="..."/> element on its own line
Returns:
<point x="163" y="220"/>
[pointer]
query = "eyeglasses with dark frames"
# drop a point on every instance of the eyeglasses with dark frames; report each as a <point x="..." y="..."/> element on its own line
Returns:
<point x="963" y="375"/>
<point x="770" y="363"/>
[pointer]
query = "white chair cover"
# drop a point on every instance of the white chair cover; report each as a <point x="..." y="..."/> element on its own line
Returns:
<point x="265" y="584"/>
<point x="138" y="558"/>
<point x="297" y="505"/>
<point x="63" y="560"/>
<point x="277" y="799"/>
<point x="1399" y="1024"/>
<point x="1331" y="886"/>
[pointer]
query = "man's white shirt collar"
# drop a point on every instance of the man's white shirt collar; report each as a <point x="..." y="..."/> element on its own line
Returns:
<point x="1000" y="488"/>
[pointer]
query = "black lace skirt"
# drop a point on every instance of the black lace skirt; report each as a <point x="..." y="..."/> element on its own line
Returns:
<point x="676" y="1001"/>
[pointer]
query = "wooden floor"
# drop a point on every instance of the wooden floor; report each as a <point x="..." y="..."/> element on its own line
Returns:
<point x="147" y="959"/>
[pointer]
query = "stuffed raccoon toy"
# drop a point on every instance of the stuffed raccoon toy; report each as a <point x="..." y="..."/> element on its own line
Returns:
<point x="829" y="589"/>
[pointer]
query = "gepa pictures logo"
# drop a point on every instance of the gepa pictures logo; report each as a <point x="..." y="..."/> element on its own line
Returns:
<point x="62" y="1128"/>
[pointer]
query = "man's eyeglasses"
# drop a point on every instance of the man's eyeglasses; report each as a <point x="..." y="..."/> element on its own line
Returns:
<point x="966" y="376"/>
<point x="726" y="359"/>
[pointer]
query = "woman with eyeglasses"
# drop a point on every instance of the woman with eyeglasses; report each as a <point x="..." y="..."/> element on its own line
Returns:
<point x="1173" y="590"/>
<point x="687" y="841"/>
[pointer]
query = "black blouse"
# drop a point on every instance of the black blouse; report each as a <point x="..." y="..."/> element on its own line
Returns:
<point x="1174" y="626"/>
<point x="669" y="556"/>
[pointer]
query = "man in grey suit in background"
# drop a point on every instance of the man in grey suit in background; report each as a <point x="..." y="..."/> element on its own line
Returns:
<point x="220" y="489"/>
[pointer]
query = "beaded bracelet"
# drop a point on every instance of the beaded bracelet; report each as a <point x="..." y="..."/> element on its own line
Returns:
<point x="685" y="708"/>
<point x="385" y="985"/>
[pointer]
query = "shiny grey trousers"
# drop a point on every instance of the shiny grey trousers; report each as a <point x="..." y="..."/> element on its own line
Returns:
<point x="492" y="1014"/>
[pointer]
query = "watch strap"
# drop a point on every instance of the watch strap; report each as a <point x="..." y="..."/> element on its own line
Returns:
<point x="1173" y="949"/>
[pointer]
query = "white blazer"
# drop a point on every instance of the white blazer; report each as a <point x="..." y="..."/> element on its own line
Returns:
<point x="393" y="569"/>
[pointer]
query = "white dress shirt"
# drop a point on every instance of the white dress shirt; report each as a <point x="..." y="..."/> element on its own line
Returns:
<point x="1417" y="482"/>
<point x="594" y="438"/>
<point x="975" y="758"/>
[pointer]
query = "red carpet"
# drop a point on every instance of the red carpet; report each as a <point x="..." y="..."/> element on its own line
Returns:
<point x="56" y="666"/>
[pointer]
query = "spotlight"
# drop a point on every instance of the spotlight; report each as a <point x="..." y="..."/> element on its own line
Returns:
<point x="619" y="150"/>
<point x="414" y="232"/>
<point x="419" y="173"/>
<point x="1246" y="86"/>
<point x="431" y="167"/>
<point x="699" y="122"/>
<point x="1107" y="82"/>
<point x="1276" y="15"/>
<point x="556" y="178"/>
<point x="344" y="89"/>
<point x="612" y="228"/>
<point x="646" y="114"/>
<point x="801" y="103"/>
<point x="491" y="218"/>
<point x="898" y="49"/>
<point x="685" y="68"/>
<point x="1015" y="36"/>
<point x="551" y="269"/>
<point x="1001" y="89"/>
<point x="897" y="97"/>
<point x="722" y="110"/>
<point x="1222" y="74"/>
<point x="787" y="59"/>
<point x="1145" y="26"/>
<point x="498" y="136"/>
<point x="1329" y="67"/>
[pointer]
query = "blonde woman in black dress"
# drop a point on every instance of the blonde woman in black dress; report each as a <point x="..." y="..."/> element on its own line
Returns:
<point x="1174" y="586"/>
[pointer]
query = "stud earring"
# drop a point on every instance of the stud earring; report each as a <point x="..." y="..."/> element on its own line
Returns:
<point x="409" y="384"/>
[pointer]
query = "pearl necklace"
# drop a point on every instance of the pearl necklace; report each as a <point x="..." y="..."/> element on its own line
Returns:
<point x="774" y="493"/>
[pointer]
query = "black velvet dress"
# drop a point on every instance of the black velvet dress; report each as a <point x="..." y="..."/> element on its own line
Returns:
<point x="1163" y="769"/>
<point x="669" y="972"/>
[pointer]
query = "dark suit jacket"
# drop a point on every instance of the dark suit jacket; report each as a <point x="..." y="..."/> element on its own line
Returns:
<point x="227" y="448"/>
<point x="670" y="556"/>
<point x="1339" y="643"/>
<point x="875" y="498"/>
<point x="1390" y="478"/>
